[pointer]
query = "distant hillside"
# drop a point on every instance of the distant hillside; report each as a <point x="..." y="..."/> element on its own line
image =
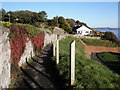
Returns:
<point x="105" y="28"/>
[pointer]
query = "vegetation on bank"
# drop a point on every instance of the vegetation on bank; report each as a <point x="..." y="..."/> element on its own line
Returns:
<point x="89" y="73"/>
<point x="38" y="19"/>
<point x="111" y="59"/>
<point x="5" y="24"/>
<point x="111" y="37"/>
<point x="19" y="34"/>
<point x="99" y="42"/>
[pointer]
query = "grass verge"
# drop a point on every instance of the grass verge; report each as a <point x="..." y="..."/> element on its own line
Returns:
<point x="89" y="73"/>
<point x="111" y="59"/>
<point x="98" y="42"/>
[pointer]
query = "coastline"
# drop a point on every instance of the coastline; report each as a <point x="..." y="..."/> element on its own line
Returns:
<point x="106" y="28"/>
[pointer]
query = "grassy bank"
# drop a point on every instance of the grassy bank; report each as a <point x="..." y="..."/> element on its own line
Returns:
<point x="112" y="60"/>
<point x="98" y="42"/>
<point x="89" y="73"/>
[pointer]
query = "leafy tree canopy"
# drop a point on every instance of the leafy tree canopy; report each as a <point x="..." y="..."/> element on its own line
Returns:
<point x="38" y="19"/>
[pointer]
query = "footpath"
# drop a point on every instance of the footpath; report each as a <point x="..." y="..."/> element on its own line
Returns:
<point x="42" y="72"/>
<point x="96" y="49"/>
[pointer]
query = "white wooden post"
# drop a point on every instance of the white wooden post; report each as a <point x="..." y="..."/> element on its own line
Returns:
<point x="72" y="62"/>
<point x="54" y="48"/>
<point x="57" y="52"/>
<point x="54" y="44"/>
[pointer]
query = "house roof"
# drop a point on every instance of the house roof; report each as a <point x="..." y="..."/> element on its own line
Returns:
<point x="84" y="28"/>
<point x="75" y="28"/>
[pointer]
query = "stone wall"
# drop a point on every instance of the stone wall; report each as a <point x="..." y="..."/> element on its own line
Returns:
<point x="28" y="52"/>
<point x="5" y="52"/>
<point x="4" y="58"/>
<point x="50" y="38"/>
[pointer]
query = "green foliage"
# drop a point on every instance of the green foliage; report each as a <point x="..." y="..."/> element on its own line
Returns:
<point x="109" y="56"/>
<point x="111" y="37"/>
<point x="71" y="22"/>
<point x="31" y="31"/>
<point x="26" y="17"/>
<point x="53" y="22"/>
<point x="5" y="24"/>
<point x="37" y="19"/>
<point x="64" y="24"/>
<point x="2" y="14"/>
<point x="80" y="23"/>
<point x="98" y="42"/>
<point x="89" y="73"/>
<point x="42" y="16"/>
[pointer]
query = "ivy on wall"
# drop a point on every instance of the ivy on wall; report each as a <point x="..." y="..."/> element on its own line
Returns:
<point x="18" y="39"/>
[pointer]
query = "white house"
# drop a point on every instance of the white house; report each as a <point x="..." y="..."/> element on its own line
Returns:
<point x="83" y="30"/>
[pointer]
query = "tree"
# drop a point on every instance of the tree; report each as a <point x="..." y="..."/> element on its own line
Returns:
<point x="55" y="21"/>
<point x="111" y="37"/>
<point x="71" y="22"/>
<point x="64" y="24"/>
<point x="25" y="16"/>
<point x="77" y="23"/>
<point x="2" y="14"/>
<point x="34" y="17"/>
<point x="42" y="16"/>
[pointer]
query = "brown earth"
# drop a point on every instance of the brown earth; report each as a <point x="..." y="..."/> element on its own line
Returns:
<point x="91" y="49"/>
<point x="95" y="49"/>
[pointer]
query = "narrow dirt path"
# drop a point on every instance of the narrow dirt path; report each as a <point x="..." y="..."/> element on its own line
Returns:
<point x="95" y="49"/>
<point x="42" y="72"/>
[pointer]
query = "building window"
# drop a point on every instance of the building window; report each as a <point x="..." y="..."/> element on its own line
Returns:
<point x="87" y="32"/>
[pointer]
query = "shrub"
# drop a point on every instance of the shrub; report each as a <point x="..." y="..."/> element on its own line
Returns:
<point x="18" y="39"/>
<point x="38" y="42"/>
<point x="111" y="37"/>
<point x="31" y="31"/>
<point x="5" y="24"/>
<point x="98" y="42"/>
<point x="18" y="42"/>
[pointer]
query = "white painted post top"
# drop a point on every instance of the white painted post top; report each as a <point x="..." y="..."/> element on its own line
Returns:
<point x="72" y="62"/>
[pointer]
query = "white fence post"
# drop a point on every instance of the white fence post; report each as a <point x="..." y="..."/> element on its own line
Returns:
<point x="57" y="52"/>
<point x="54" y="44"/>
<point x="72" y="62"/>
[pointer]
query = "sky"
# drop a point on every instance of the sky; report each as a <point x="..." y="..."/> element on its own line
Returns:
<point x="94" y="14"/>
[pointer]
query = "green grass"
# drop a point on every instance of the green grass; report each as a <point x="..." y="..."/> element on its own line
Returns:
<point x="89" y="73"/>
<point x="5" y="24"/>
<point x="109" y="56"/>
<point x="99" y="42"/>
<point x="111" y="59"/>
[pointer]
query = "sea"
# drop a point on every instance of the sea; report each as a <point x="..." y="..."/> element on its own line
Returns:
<point x="115" y="31"/>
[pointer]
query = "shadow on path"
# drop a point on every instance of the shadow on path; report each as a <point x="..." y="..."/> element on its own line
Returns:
<point x="42" y="72"/>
